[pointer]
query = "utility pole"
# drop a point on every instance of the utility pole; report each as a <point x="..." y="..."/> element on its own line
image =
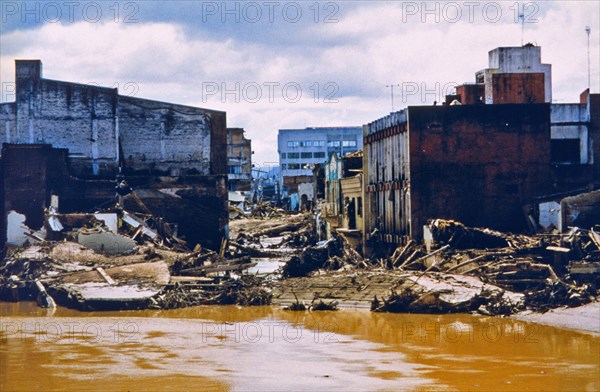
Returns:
<point x="588" y="30"/>
<point x="391" y="86"/>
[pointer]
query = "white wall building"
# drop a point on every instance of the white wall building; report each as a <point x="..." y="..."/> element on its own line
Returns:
<point x="299" y="149"/>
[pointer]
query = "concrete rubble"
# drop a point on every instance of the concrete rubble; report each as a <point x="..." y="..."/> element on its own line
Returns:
<point x="89" y="265"/>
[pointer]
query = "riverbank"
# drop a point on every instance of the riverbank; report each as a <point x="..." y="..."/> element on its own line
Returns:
<point x="465" y="270"/>
<point x="356" y="290"/>
<point x="584" y="318"/>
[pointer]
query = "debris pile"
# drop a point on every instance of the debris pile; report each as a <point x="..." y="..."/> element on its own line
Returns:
<point x="550" y="270"/>
<point x="465" y="269"/>
<point x="248" y="290"/>
<point x="266" y="211"/>
<point x="120" y="260"/>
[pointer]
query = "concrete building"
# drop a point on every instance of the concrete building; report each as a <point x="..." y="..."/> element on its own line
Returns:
<point x="300" y="149"/>
<point x="575" y="143"/>
<point x="482" y="161"/>
<point x="81" y="137"/>
<point x="516" y="75"/>
<point x="239" y="160"/>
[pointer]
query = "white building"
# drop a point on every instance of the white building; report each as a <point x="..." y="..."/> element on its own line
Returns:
<point x="300" y="149"/>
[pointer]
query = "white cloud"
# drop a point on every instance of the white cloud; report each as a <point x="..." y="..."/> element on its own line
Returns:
<point x="369" y="48"/>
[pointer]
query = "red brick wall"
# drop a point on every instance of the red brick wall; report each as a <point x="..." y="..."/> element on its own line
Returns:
<point x="518" y="88"/>
<point x="30" y="174"/>
<point x="471" y="94"/>
<point x="594" y="135"/>
<point x="478" y="164"/>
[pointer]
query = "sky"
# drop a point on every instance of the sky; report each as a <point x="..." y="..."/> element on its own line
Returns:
<point x="277" y="64"/>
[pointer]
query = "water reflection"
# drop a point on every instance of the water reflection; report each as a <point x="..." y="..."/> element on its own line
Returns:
<point x="264" y="348"/>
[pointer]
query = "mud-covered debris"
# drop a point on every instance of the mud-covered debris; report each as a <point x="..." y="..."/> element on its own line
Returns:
<point x="296" y="306"/>
<point x="459" y="236"/>
<point x="320" y="305"/>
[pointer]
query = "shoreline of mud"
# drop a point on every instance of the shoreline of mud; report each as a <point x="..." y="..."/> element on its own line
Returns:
<point x="469" y="271"/>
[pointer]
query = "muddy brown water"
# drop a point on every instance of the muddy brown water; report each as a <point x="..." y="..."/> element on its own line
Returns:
<point x="265" y="348"/>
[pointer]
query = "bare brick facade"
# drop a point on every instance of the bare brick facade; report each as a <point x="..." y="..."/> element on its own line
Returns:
<point x="475" y="163"/>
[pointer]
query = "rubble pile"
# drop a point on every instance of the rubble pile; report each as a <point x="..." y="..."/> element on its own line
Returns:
<point x="498" y="273"/>
<point x="266" y="211"/>
<point x="294" y="232"/>
<point x="258" y="211"/>
<point x="550" y="270"/>
<point x="120" y="260"/>
<point x="248" y="290"/>
<point x="443" y="293"/>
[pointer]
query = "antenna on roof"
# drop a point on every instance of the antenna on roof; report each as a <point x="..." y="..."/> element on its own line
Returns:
<point x="392" y="93"/>
<point x="588" y="30"/>
<point x="522" y="18"/>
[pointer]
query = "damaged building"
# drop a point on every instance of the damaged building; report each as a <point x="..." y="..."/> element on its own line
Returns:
<point x="483" y="157"/>
<point x="66" y="144"/>
<point x="239" y="160"/>
<point x="344" y="196"/>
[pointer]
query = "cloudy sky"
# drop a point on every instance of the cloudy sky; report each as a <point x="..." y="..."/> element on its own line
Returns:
<point x="276" y="64"/>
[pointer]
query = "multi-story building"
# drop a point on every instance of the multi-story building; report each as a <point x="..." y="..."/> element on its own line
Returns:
<point x="481" y="161"/>
<point x="516" y="75"/>
<point x="300" y="149"/>
<point x="72" y="140"/>
<point x="239" y="160"/>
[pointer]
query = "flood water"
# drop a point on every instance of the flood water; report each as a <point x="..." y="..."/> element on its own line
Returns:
<point x="265" y="348"/>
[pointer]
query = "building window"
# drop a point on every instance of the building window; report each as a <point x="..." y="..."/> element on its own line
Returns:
<point x="565" y="151"/>
<point x="306" y="144"/>
<point x="293" y="155"/>
<point x="283" y="155"/>
<point x="349" y="143"/>
<point x="319" y="143"/>
<point x="333" y="143"/>
<point x="319" y="155"/>
<point x="283" y="166"/>
<point x="306" y="155"/>
<point x="359" y="207"/>
<point x="293" y="144"/>
<point x="293" y="166"/>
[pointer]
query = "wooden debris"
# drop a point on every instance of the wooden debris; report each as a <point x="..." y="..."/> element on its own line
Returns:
<point x="105" y="276"/>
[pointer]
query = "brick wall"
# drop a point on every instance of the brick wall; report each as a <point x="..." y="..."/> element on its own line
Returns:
<point x="478" y="164"/>
<point x="518" y="88"/>
<point x="471" y="94"/>
<point x="98" y="130"/>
